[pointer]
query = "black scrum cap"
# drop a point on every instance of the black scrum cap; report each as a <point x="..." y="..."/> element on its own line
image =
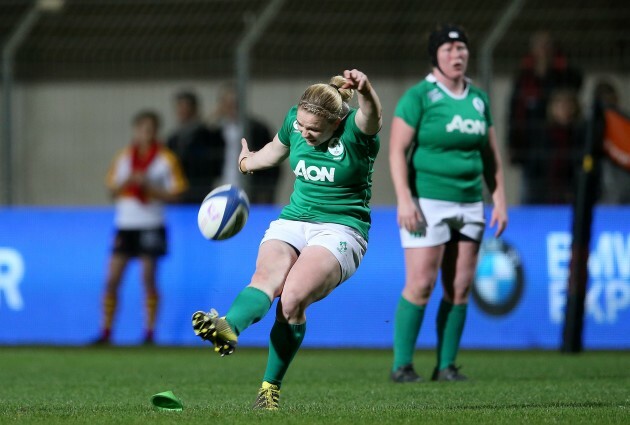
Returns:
<point x="445" y="33"/>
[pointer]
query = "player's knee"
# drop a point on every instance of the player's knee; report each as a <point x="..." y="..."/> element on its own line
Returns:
<point x="419" y="291"/>
<point x="460" y="295"/>
<point x="148" y="279"/>
<point x="262" y="275"/>
<point x="267" y="282"/>
<point x="293" y="306"/>
<point x="459" y="291"/>
<point x="420" y="287"/>
<point x="111" y="285"/>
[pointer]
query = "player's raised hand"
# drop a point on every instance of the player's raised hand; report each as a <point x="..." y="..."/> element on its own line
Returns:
<point x="357" y="80"/>
<point x="369" y="116"/>
<point x="245" y="153"/>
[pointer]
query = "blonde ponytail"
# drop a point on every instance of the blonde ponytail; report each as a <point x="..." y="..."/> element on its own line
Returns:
<point x="338" y="81"/>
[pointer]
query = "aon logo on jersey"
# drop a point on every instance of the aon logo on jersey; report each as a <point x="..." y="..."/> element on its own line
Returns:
<point x="467" y="126"/>
<point x="314" y="173"/>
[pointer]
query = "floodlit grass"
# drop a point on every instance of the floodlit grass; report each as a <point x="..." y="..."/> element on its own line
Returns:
<point x="113" y="385"/>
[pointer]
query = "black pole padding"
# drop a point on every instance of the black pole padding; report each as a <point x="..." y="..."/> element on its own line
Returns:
<point x="586" y="194"/>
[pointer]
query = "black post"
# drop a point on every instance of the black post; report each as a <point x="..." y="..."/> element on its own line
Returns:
<point x="587" y="191"/>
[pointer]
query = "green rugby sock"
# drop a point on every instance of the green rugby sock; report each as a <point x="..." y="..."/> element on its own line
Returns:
<point x="249" y="307"/>
<point x="284" y="342"/>
<point x="408" y="321"/>
<point x="450" y="326"/>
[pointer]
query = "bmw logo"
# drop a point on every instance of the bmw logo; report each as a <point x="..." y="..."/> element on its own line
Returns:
<point x="498" y="284"/>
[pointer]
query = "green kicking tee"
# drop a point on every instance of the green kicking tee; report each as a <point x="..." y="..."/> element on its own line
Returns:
<point x="450" y="133"/>
<point x="333" y="181"/>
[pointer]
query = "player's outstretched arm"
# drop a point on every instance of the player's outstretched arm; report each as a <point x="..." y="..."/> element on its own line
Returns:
<point x="272" y="154"/>
<point x="369" y="117"/>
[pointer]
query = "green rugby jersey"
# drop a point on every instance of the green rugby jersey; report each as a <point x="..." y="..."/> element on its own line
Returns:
<point x="451" y="131"/>
<point x="333" y="181"/>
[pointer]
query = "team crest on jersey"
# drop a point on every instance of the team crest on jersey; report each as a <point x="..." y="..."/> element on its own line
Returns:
<point x="479" y="105"/>
<point x="296" y="128"/>
<point x="435" y="95"/>
<point x="335" y="147"/>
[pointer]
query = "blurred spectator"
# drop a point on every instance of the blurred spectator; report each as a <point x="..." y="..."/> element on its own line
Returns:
<point x="262" y="189"/>
<point x="143" y="177"/>
<point x="554" y="153"/>
<point x="615" y="187"/>
<point x="199" y="149"/>
<point x="606" y="93"/>
<point x="543" y="70"/>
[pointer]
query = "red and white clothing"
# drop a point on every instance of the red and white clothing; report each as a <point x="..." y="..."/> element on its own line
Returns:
<point x="134" y="209"/>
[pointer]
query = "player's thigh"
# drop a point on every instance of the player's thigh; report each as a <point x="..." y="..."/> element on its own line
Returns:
<point x="422" y="264"/>
<point x="313" y="276"/>
<point x="117" y="265"/>
<point x="149" y="270"/>
<point x="275" y="260"/>
<point x="149" y="263"/>
<point x="421" y="269"/>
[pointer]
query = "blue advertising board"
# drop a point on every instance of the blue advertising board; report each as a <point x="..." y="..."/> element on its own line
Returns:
<point x="53" y="262"/>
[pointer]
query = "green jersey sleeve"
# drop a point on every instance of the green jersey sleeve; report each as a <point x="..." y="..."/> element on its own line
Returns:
<point x="284" y="134"/>
<point x="410" y="108"/>
<point x="352" y="127"/>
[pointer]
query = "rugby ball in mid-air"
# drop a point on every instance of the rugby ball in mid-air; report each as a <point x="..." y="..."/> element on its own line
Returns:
<point x="223" y="212"/>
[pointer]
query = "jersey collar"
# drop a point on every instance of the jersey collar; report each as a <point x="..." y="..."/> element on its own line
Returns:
<point x="431" y="79"/>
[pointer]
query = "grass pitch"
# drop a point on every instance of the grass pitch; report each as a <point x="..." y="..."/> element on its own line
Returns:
<point x="113" y="385"/>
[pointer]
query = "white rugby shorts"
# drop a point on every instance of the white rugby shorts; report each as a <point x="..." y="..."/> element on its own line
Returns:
<point x="345" y="243"/>
<point x="444" y="217"/>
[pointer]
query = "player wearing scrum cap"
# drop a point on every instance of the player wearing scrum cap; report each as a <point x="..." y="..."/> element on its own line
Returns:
<point x="442" y="143"/>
